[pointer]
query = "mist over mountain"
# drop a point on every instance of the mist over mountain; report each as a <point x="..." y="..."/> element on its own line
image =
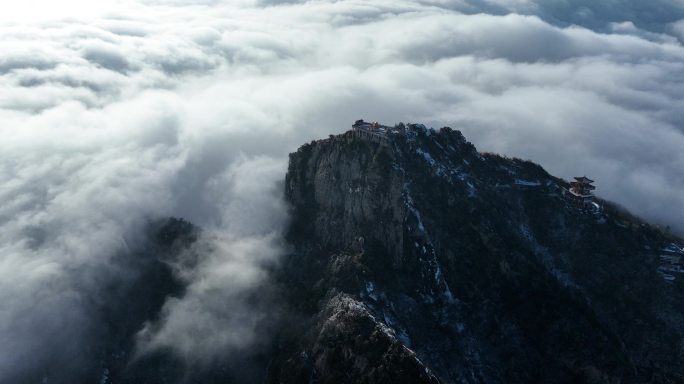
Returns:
<point x="116" y="115"/>
<point x="411" y="258"/>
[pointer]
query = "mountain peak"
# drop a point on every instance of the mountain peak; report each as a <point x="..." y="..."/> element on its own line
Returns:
<point x="481" y="265"/>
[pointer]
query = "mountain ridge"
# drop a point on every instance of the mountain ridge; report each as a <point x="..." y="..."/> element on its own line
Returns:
<point x="476" y="263"/>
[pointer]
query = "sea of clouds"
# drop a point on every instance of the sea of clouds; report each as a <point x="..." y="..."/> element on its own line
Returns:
<point x="115" y="113"/>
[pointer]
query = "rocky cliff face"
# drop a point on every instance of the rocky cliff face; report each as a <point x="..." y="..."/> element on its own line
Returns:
<point x="426" y="261"/>
<point x="345" y="193"/>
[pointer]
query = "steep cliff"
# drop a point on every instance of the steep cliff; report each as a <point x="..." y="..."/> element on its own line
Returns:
<point x="422" y="260"/>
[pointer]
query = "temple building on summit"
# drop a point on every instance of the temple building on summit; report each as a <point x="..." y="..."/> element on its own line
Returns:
<point x="580" y="190"/>
<point x="372" y="132"/>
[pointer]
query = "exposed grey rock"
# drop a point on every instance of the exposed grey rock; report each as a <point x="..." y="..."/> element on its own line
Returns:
<point x="475" y="262"/>
<point x="356" y="192"/>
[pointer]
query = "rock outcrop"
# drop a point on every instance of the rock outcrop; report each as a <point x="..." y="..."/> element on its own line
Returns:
<point x="425" y="260"/>
<point x="345" y="193"/>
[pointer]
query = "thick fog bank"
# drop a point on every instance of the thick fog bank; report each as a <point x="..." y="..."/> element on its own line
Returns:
<point x="115" y="115"/>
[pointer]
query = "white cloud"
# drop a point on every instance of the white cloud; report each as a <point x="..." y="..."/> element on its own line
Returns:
<point x="142" y="109"/>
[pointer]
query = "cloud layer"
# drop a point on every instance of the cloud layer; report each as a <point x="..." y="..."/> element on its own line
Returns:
<point x="142" y="109"/>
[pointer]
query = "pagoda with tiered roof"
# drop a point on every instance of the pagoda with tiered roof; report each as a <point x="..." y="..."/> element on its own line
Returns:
<point x="580" y="190"/>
